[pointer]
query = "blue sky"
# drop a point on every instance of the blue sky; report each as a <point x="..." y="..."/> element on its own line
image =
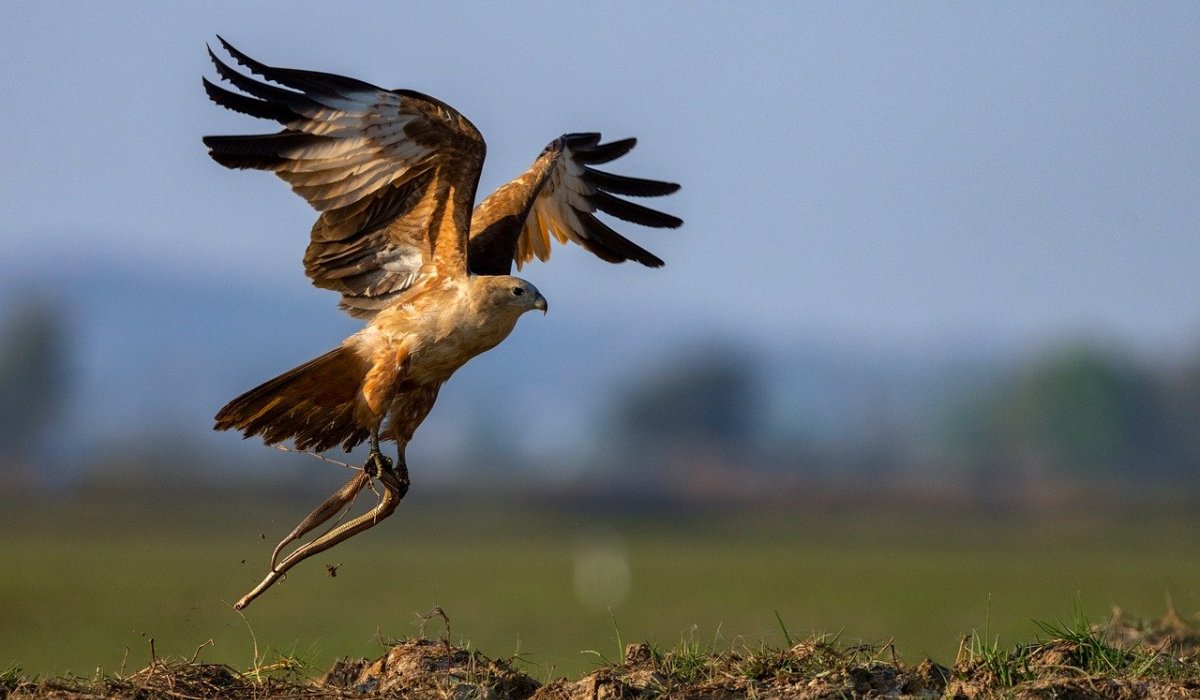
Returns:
<point x="914" y="178"/>
<point x="892" y="174"/>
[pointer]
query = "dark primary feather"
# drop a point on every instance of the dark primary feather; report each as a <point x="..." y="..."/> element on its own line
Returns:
<point x="612" y="246"/>
<point x="578" y="140"/>
<point x="304" y="80"/>
<point x="634" y="213"/>
<point x="258" y="151"/>
<point x="382" y="167"/>
<point x="284" y="98"/>
<point x="247" y="105"/>
<point x="632" y="186"/>
<point x="561" y="192"/>
<point x="598" y="154"/>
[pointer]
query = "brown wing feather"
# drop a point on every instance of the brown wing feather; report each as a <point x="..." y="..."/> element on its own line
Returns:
<point x="557" y="197"/>
<point x="393" y="173"/>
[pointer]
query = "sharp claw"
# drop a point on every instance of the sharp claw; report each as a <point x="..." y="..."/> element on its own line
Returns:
<point x="377" y="463"/>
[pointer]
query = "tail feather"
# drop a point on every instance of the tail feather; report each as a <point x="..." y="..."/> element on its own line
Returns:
<point x="313" y="405"/>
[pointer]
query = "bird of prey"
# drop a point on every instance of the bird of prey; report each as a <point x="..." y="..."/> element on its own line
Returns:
<point x="393" y="174"/>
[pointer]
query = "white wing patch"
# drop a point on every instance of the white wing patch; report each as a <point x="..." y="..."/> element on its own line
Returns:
<point x="378" y="164"/>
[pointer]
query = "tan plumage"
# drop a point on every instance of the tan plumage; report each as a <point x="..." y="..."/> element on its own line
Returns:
<point x="393" y="174"/>
<point x="312" y="404"/>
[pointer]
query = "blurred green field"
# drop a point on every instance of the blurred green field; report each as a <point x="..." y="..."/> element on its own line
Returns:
<point x="82" y="585"/>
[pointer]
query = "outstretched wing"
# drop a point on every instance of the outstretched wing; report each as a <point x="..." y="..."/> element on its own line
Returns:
<point x="393" y="173"/>
<point x="558" y="197"/>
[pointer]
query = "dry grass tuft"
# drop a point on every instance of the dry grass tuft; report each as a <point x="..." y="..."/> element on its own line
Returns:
<point x="1121" y="659"/>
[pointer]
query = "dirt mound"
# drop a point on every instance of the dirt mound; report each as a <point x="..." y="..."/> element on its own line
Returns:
<point x="1121" y="660"/>
<point x="161" y="679"/>
<point x="422" y="668"/>
<point x="807" y="670"/>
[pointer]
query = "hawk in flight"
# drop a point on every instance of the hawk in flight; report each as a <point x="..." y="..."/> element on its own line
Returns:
<point x="393" y="174"/>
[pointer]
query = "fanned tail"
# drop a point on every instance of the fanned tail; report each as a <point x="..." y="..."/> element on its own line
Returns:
<point x="313" y="405"/>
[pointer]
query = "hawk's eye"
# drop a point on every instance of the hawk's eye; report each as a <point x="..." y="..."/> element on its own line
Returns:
<point x="518" y="291"/>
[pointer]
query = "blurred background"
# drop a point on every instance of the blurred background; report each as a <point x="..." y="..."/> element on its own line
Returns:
<point x="925" y="356"/>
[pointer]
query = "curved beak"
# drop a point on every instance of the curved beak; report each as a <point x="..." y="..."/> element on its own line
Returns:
<point x="539" y="302"/>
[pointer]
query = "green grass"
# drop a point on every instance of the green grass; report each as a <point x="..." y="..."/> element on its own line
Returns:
<point x="82" y="586"/>
<point x="1094" y="654"/>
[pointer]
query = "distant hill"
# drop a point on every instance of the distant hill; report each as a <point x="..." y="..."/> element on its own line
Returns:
<point x="154" y="354"/>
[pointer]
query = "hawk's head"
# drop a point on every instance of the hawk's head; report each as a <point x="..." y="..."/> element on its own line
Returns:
<point x="511" y="293"/>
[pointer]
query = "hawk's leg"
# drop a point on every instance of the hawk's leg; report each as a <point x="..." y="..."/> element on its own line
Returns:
<point x="377" y="462"/>
<point x="395" y="485"/>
